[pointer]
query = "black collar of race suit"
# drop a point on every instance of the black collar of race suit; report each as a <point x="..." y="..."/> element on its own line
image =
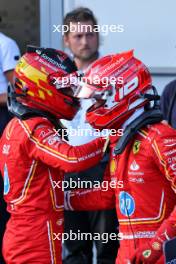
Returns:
<point x="23" y="112"/>
<point x="151" y="116"/>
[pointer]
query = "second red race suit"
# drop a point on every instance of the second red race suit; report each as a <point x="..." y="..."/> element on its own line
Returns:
<point x="147" y="169"/>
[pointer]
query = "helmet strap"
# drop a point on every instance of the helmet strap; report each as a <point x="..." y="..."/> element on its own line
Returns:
<point x="151" y="116"/>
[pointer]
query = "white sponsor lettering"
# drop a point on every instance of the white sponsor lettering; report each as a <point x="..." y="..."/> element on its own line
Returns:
<point x="168" y="153"/>
<point x="173" y="166"/>
<point x="136" y="180"/>
<point x="6" y="149"/>
<point x="128" y="88"/>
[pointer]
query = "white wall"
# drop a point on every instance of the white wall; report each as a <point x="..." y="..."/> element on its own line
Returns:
<point x="51" y="13"/>
<point x="161" y="81"/>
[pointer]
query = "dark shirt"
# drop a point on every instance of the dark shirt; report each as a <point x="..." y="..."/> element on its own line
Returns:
<point x="168" y="103"/>
<point x="4" y="118"/>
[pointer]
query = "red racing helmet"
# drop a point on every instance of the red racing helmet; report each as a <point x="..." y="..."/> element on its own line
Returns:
<point x="117" y="83"/>
<point x="36" y="82"/>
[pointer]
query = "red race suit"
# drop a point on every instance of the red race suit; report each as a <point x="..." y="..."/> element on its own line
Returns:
<point x="147" y="169"/>
<point x="33" y="160"/>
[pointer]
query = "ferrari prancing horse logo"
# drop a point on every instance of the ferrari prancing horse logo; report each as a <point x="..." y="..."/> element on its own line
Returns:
<point x="136" y="146"/>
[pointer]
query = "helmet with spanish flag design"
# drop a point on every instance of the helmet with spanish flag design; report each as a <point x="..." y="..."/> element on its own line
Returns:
<point x="36" y="86"/>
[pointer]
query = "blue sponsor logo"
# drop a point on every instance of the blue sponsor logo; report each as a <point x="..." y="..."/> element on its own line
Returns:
<point x="126" y="204"/>
<point x="6" y="180"/>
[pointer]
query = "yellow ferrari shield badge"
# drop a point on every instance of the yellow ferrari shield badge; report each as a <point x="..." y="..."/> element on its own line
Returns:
<point x="136" y="146"/>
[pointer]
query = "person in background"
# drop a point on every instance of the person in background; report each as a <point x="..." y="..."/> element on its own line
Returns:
<point x="168" y="103"/>
<point x="84" y="45"/>
<point x="9" y="55"/>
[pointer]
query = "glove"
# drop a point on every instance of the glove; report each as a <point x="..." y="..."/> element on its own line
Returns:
<point x="152" y="251"/>
<point x="147" y="254"/>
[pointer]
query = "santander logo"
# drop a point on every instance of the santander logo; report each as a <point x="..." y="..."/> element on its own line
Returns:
<point x="134" y="166"/>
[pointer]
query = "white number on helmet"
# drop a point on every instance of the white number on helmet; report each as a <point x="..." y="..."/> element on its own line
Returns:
<point x="128" y="88"/>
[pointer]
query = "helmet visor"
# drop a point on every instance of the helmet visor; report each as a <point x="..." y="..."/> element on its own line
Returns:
<point x="84" y="91"/>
